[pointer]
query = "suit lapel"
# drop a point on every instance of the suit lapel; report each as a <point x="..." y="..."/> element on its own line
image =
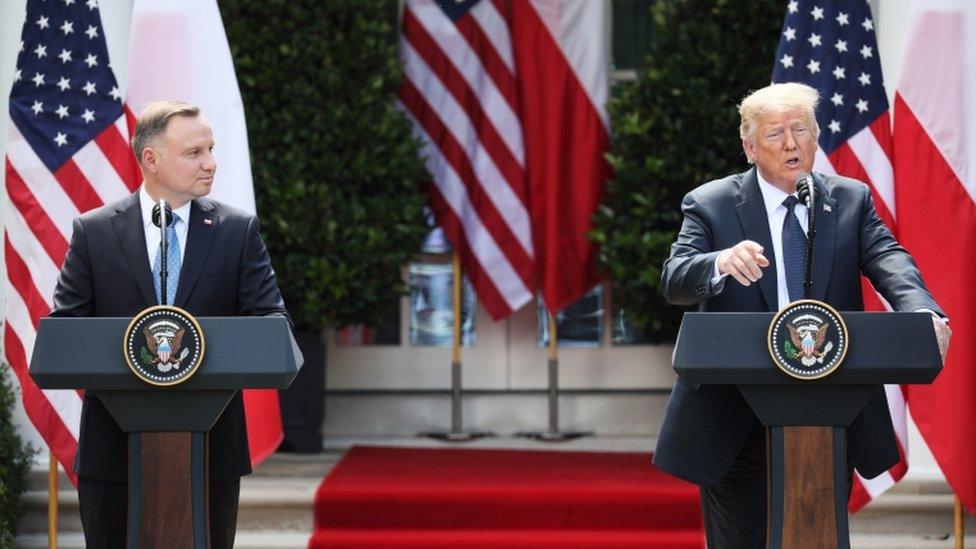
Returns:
<point x="755" y="226"/>
<point x="200" y="233"/>
<point x="823" y="240"/>
<point x="127" y="223"/>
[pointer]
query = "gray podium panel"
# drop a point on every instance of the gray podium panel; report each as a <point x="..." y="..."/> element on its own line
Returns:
<point x="729" y="349"/>
<point x="241" y="352"/>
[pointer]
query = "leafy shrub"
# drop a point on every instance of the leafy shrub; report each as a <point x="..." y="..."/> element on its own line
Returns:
<point x="15" y="462"/>
<point x="673" y="129"/>
<point x="337" y="172"/>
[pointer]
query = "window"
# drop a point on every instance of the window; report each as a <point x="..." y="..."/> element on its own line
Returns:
<point x="432" y="306"/>
<point x="631" y="28"/>
<point x="386" y="332"/>
<point x="580" y="324"/>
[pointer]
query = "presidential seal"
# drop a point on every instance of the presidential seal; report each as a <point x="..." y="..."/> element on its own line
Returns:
<point x="808" y="339"/>
<point x="163" y="345"/>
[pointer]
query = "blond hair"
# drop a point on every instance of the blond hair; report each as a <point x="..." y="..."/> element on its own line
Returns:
<point x="153" y="121"/>
<point x="776" y="99"/>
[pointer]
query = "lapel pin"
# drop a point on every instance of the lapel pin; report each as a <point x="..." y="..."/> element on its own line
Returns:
<point x="827" y="208"/>
<point x="210" y="221"/>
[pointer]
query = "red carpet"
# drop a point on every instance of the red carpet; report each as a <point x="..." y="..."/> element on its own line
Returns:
<point x="407" y="497"/>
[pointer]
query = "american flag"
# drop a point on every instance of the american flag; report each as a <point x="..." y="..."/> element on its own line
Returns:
<point x="507" y="97"/>
<point x="831" y="45"/>
<point x="67" y="153"/>
<point x="459" y="88"/>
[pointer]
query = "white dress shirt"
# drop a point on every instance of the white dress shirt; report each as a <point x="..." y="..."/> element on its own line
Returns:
<point x="151" y="231"/>
<point x="773" y="198"/>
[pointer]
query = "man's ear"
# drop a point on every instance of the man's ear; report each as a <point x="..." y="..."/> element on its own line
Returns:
<point x="149" y="159"/>
<point x="750" y="149"/>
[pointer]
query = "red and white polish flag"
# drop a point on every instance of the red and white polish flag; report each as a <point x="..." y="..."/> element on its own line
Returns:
<point x="562" y="51"/>
<point x="178" y="50"/>
<point x="935" y="182"/>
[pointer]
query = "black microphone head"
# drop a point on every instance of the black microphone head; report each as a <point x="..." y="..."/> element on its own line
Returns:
<point x="804" y="188"/>
<point x="155" y="214"/>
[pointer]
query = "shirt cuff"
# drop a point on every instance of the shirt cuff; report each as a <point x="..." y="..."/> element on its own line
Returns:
<point x="933" y="313"/>
<point x="718" y="279"/>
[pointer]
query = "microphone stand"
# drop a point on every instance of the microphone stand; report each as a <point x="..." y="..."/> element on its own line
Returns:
<point x="811" y="232"/>
<point x="163" y="270"/>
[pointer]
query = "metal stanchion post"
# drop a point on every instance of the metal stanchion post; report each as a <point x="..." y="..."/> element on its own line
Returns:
<point x="553" y="434"/>
<point x="457" y="433"/>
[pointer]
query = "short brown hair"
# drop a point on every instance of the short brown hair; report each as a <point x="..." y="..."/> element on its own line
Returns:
<point x="154" y="119"/>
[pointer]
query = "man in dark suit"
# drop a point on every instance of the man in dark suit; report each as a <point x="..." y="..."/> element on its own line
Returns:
<point x="750" y="227"/>
<point x="111" y="270"/>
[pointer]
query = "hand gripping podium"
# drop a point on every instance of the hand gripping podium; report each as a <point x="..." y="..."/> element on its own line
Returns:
<point x="167" y="426"/>
<point x="806" y="420"/>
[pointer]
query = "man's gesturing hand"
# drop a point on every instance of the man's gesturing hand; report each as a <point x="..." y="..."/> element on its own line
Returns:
<point x="743" y="261"/>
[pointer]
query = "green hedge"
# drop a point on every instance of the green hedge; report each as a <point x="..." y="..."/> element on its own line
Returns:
<point x="337" y="174"/>
<point x="15" y="462"/>
<point x="673" y="129"/>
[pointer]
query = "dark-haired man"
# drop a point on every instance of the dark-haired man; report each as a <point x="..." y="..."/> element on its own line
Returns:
<point x="112" y="269"/>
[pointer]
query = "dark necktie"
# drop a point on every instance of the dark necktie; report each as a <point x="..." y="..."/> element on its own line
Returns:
<point x="794" y="250"/>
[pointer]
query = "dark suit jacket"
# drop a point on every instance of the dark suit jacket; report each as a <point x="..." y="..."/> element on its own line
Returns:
<point x="704" y="430"/>
<point x="226" y="271"/>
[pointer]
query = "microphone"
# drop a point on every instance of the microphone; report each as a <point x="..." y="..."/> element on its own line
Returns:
<point x="162" y="215"/>
<point x="155" y="213"/>
<point x="806" y="192"/>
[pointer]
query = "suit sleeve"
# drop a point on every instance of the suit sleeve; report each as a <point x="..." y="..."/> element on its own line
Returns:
<point x="889" y="266"/>
<point x="259" y="294"/>
<point x="687" y="275"/>
<point x="74" y="292"/>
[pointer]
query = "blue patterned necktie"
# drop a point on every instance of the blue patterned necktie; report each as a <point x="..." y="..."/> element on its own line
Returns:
<point x="173" y="261"/>
<point x="794" y="250"/>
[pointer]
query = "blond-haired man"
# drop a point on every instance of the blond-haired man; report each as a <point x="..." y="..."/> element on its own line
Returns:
<point x="751" y="228"/>
<point x="111" y="269"/>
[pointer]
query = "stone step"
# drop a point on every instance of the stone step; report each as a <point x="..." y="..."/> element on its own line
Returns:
<point x="903" y="512"/>
<point x="906" y="541"/>
<point x="278" y="497"/>
<point x="276" y="503"/>
<point x="270" y="539"/>
<point x="264" y="539"/>
<point x="35" y="511"/>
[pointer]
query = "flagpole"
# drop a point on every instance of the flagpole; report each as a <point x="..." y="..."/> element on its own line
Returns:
<point x="456" y="347"/>
<point x="553" y="364"/>
<point x="959" y="524"/>
<point x="52" y="501"/>
<point x="553" y="434"/>
<point x="457" y="433"/>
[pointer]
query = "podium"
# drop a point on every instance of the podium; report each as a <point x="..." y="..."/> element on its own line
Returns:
<point x="806" y="420"/>
<point x="167" y="426"/>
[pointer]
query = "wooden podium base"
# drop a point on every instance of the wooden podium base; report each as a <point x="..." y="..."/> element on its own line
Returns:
<point x="168" y="491"/>
<point x="807" y="487"/>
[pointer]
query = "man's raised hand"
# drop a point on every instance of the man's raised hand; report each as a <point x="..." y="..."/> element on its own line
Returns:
<point x="744" y="262"/>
